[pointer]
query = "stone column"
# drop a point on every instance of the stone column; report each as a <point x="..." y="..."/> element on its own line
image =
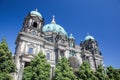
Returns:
<point x="17" y="63"/>
<point x="66" y="54"/>
<point x="92" y="62"/>
<point x="59" y="57"/>
<point x="21" y="71"/>
<point x="17" y="59"/>
<point x="18" y="52"/>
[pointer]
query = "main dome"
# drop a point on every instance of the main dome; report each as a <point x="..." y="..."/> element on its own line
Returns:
<point x="35" y="13"/>
<point x="53" y="27"/>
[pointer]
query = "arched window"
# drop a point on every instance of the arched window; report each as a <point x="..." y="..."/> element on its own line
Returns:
<point x="30" y="50"/>
<point x="27" y="64"/>
<point x="35" y="24"/>
<point x="48" y="56"/>
<point x="62" y="53"/>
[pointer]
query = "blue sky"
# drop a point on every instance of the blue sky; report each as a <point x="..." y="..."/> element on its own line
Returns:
<point x="101" y="18"/>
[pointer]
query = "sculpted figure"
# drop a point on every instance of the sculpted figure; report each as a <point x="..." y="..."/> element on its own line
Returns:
<point x="30" y="22"/>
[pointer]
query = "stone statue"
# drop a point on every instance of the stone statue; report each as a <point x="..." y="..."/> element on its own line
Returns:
<point x="30" y="22"/>
<point x="39" y="25"/>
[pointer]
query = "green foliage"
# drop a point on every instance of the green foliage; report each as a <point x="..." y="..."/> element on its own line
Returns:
<point x="101" y="73"/>
<point x="113" y="74"/>
<point x="63" y="71"/>
<point x="5" y="76"/>
<point x="85" y="72"/>
<point x="39" y="69"/>
<point x="7" y="65"/>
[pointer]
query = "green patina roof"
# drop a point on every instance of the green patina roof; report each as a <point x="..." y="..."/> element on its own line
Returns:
<point x="36" y="13"/>
<point x="89" y="37"/>
<point x="53" y="27"/>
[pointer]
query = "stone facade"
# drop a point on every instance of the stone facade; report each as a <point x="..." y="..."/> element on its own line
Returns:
<point x="55" y="43"/>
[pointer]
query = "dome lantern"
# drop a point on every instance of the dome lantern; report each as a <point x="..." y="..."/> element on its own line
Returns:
<point x="35" y="13"/>
<point x="89" y="37"/>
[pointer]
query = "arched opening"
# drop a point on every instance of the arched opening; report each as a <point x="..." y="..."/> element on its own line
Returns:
<point x="27" y="64"/>
<point x="35" y="24"/>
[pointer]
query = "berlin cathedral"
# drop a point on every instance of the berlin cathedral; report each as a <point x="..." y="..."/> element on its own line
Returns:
<point x="54" y="42"/>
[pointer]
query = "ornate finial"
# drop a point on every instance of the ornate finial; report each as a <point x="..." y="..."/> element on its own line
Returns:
<point x="53" y="20"/>
<point x="36" y="9"/>
<point x="71" y="36"/>
<point x="88" y="34"/>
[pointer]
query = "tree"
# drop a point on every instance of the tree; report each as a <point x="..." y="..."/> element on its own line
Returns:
<point x="63" y="71"/>
<point x="113" y="74"/>
<point x="101" y="73"/>
<point x="39" y="69"/>
<point x="5" y="76"/>
<point x="85" y="72"/>
<point x="7" y="65"/>
<point x="110" y="72"/>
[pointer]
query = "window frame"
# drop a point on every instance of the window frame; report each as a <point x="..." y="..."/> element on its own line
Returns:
<point x="30" y="50"/>
<point x="48" y="56"/>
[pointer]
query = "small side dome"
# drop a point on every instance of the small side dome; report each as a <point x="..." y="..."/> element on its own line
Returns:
<point x="89" y="37"/>
<point x="53" y="27"/>
<point x="35" y="13"/>
<point x="71" y="36"/>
